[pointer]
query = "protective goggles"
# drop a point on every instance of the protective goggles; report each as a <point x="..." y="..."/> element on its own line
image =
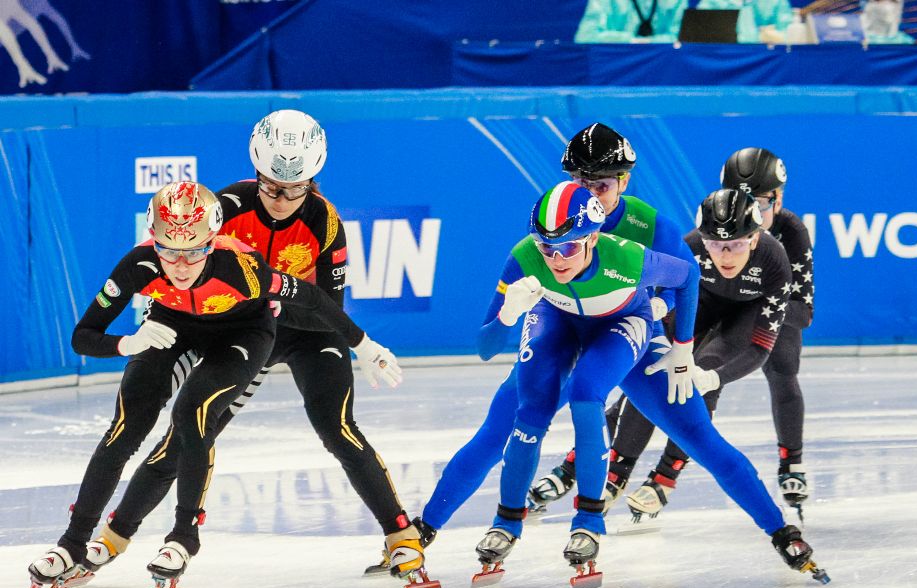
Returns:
<point x="191" y="256"/>
<point x="736" y="245"/>
<point x="273" y="191"/>
<point x="599" y="186"/>
<point x="566" y="249"/>
<point x="766" y="201"/>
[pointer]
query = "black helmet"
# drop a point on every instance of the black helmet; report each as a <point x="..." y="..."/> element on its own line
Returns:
<point x="598" y="152"/>
<point x="753" y="169"/>
<point x="728" y="214"/>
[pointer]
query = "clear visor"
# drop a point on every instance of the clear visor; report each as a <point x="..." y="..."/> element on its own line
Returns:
<point x="191" y="256"/>
<point x="273" y="191"/>
<point x="735" y="246"/>
<point x="766" y="201"/>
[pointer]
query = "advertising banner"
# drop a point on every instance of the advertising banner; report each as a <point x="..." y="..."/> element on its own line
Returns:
<point x="433" y="206"/>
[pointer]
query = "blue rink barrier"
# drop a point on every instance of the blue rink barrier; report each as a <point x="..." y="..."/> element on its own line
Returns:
<point x="435" y="187"/>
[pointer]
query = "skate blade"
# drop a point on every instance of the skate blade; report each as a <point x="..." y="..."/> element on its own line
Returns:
<point x="78" y="578"/>
<point x="794" y="512"/>
<point x="81" y="578"/>
<point x="535" y="507"/>
<point x="419" y="579"/>
<point x="637" y="516"/>
<point x="377" y="570"/>
<point x="162" y="582"/>
<point x="488" y="577"/>
<point x="561" y="517"/>
<point x="639" y="529"/>
<point x="817" y="573"/>
<point x="591" y="580"/>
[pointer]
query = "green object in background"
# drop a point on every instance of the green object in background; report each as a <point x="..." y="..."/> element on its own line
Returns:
<point x="618" y="21"/>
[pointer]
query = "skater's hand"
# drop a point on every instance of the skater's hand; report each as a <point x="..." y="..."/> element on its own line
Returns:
<point x="377" y="362"/>
<point x="679" y="364"/>
<point x="660" y="308"/>
<point x="705" y="380"/>
<point x="519" y="298"/>
<point x="150" y="334"/>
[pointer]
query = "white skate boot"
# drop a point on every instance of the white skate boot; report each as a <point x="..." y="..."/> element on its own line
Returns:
<point x="169" y="565"/>
<point x="549" y="488"/>
<point x="650" y="498"/>
<point x="793" y="487"/>
<point x="614" y="488"/>
<point x="104" y="549"/>
<point x="56" y="569"/>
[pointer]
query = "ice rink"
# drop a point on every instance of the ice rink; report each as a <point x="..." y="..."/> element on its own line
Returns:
<point x="281" y="512"/>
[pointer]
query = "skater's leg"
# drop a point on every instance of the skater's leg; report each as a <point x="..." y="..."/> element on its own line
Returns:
<point x="690" y="427"/>
<point x="787" y="402"/>
<point x="229" y="364"/>
<point x="788" y="408"/>
<point x="466" y="471"/>
<point x="610" y="351"/>
<point x="550" y="348"/>
<point x="144" y="390"/>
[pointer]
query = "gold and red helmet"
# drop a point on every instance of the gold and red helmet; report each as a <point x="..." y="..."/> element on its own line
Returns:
<point x="184" y="215"/>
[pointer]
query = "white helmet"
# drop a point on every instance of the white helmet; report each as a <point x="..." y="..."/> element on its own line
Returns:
<point x="288" y="146"/>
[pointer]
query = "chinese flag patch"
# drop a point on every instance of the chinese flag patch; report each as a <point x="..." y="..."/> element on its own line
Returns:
<point x="339" y="256"/>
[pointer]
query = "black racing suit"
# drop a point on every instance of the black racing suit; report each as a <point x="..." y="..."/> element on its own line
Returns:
<point x="738" y="322"/>
<point x="782" y="367"/>
<point x="224" y="321"/>
<point x="310" y="245"/>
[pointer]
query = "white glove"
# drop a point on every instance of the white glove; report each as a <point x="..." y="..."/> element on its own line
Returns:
<point x="679" y="363"/>
<point x="705" y="380"/>
<point x="521" y="296"/>
<point x="377" y="362"/>
<point x="660" y="308"/>
<point x="150" y="334"/>
<point x="275" y="307"/>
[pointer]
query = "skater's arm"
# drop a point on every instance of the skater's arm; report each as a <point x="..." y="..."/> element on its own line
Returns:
<point x="89" y="337"/>
<point x="795" y="239"/>
<point x="494" y="333"/>
<point x="668" y="239"/>
<point x="768" y="314"/>
<point x="666" y="271"/>
<point x="286" y="289"/>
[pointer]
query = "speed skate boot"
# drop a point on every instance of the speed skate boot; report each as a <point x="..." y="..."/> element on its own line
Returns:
<point x="102" y="550"/>
<point x="552" y="486"/>
<point x="168" y="566"/>
<point x="406" y="558"/>
<point x="614" y="488"/>
<point x="427" y="535"/>
<point x="650" y="498"/>
<point x="581" y="551"/>
<point x="56" y="569"/>
<point x="793" y="487"/>
<point x="492" y="550"/>
<point x="796" y="552"/>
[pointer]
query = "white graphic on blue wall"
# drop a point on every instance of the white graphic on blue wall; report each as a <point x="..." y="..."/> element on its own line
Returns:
<point x="17" y="16"/>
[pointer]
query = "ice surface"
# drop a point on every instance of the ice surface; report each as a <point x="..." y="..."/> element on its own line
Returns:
<point x="281" y="512"/>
